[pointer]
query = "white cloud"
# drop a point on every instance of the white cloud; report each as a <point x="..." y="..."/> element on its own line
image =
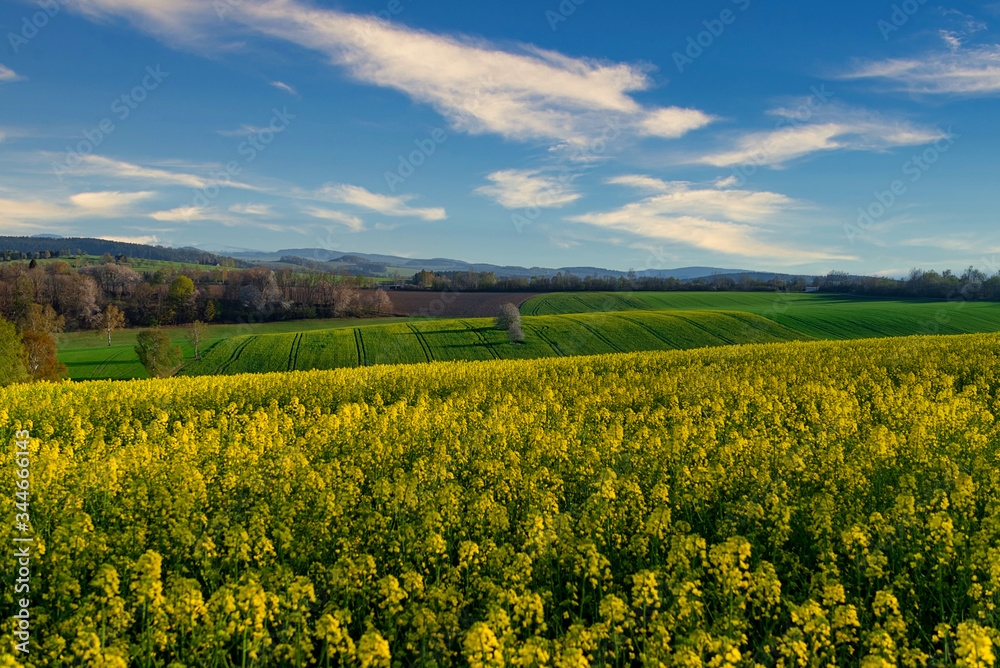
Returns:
<point x="108" y="202"/>
<point x="280" y="85"/>
<point x="963" y="243"/>
<point x="352" y="222"/>
<point x="733" y="222"/>
<point x="680" y="198"/>
<point x="8" y="75"/>
<point x="646" y="183"/>
<point x="520" y="93"/>
<point x="252" y="209"/>
<point x="244" y="131"/>
<point x="147" y="239"/>
<point x="184" y="213"/>
<point x="51" y="213"/>
<point x="673" y="122"/>
<point x="972" y="71"/>
<point x="96" y="164"/>
<point x="340" y="193"/>
<point x="20" y="210"/>
<point x="521" y="188"/>
<point x="831" y="127"/>
<point x="108" y="167"/>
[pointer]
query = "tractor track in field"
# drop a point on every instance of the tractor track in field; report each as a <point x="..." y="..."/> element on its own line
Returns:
<point x="596" y="333"/>
<point x="360" y="343"/>
<point x="544" y="337"/>
<point x="423" y="342"/>
<point x="482" y="337"/>
<point x="718" y="335"/>
<point x="235" y="356"/>
<point x="293" y="354"/>
<point x="653" y="332"/>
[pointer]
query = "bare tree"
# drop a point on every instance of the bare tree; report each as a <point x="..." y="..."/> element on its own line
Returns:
<point x="196" y="336"/>
<point x="382" y="302"/>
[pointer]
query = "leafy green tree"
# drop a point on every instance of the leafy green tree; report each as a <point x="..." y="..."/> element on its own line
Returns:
<point x="42" y="319"/>
<point x="211" y="310"/>
<point x="11" y="354"/>
<point x="181" y="290"/>
<point x="182" y="298"/>
<point x="157" y="352"/>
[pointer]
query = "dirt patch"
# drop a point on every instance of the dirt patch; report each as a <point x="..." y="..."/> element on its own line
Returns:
<point x="454" y="304"/>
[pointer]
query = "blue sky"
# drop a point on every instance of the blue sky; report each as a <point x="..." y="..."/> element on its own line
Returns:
<point x="790" y="136"/>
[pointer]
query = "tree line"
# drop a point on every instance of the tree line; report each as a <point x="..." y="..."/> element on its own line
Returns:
<point x="171" y="295"/>
<point x="972" y="284"/>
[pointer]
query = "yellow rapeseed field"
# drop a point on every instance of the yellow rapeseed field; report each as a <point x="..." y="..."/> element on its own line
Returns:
<point x="813" y="504"/>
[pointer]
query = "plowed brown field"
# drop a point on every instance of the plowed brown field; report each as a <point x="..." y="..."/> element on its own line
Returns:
<point x="453" y="304"/>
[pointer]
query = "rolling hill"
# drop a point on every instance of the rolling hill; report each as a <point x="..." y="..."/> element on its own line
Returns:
<point x="477" y="339"/>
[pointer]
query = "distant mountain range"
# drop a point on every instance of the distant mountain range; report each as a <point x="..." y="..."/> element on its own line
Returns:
<point x="409" y="266"/>
<point x="53" y="242"/>
<point x="368" y="263"/>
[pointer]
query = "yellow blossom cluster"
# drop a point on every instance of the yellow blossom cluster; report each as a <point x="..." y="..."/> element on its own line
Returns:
<point x="804" y="504"/>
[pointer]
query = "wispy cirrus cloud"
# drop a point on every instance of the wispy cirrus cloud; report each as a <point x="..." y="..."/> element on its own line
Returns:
<point x="387" y="205"/>
<point x="8" y="75"/>
<point x="518" y="92"/>
<point x="144" y="239"/>
<point x="733" y="222"/>
<point x="957" y="71"/>
<point x="830" y="128"/>
<point x="184" y="213"/>
<point x="252" y="209"/>
<point x="683" y="198"/>
<point x="520" y="188"/>
<point x="190" y="214"/>
<point x="57" y="213"/>
<point x="354" y="223"/>
<point x="280" y="85"/>
<point x="97" y="165"/>
<point x="108" y="201"/>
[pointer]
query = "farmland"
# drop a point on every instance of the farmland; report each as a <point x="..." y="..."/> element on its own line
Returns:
<point x="811" y="503"/>
<point x="88" y="357"/>
<point x="822" y="316"/>
<point x="478" y="339"/>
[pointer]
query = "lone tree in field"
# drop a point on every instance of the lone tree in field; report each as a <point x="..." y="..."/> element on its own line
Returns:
<point x="196" y="336"/>
<point x="157" y="352"/>
<point x="111" y="320"/>
<point x="509" y="318"/>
